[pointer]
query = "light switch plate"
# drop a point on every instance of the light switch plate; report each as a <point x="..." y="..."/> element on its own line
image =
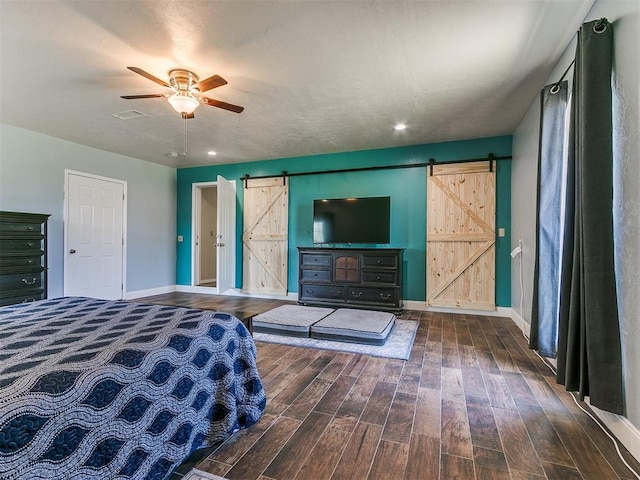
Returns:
<point x="180" y="238"/>
<point x="501" y="232"/>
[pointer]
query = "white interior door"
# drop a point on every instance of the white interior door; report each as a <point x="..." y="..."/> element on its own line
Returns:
<point x="94" y="236"/>
<point x="226" y="241"/>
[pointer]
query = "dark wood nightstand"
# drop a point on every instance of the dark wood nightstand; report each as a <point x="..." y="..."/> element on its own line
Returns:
<point x="245" y="316"/>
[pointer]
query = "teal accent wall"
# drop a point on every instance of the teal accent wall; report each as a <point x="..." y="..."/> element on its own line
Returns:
<point x="405" y="186"/>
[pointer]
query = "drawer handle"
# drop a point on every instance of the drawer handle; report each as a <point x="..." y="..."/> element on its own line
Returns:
<point x="379" y="261"/>
<point x="27" y="282"/>
<point x="379" y="278"/>
<point x="30" y="228"/>
<point x="357" y="295"/>
<point x="29" y="244"/>
<point x="28" y="300"/>
<point x="385" y="296"/>
<point x="30" y="261"/>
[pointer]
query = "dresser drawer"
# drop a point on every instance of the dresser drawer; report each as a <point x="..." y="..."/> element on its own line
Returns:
<point x="36" y="260"/>
<point x="315" y="259"/>
<point x="379" y="277"/>
<point x="24" y="298"/>
<point x="379" y="261"/>
<point x="17" y="228"/>
<point x="22" y="281"/>
<point x="322" y="292"/>
<point x="19" y="245"/>
<point x="316" y="275"/>
<point x="383" y="296"/>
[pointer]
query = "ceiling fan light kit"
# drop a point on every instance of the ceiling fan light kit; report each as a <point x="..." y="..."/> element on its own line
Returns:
<point x="184" y="102"/>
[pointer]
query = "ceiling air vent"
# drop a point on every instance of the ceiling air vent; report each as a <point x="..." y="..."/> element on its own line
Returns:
<point x="129" y="114"/>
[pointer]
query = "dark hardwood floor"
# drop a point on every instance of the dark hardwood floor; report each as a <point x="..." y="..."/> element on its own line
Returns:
<point x="472" y="402"/>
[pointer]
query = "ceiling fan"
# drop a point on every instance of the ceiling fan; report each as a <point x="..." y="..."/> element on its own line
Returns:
<point x="187" y="89"/>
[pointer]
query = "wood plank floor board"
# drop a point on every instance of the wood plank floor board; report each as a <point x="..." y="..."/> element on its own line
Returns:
<point x="308" y="399"/>
<point x="473" y="402"/>
<point x="359" y="453"/>
<point x="517" y="446"/>
<point x="450" y="358"/>
<point x="355" y="401"/>
<point x="331" y="401"/>
<point x="294" y="388"/>
<point x="390" y="461"/>
<point x="264" y="450"/>
<point x="356" y="365"/>
<point x="520" y="391"/>
<point x="455" y="433"/>
<point x="452" y="384"/>
<point x="392" y="370"/>
<point x="482" y="426"/>
<point x="399" y="422"/>
<point x="561" y="472"/>
<point x="455" y="467"/>
<point x="322" y="460"/>
<point x="424" y="458"/>
<point x="490" y="464"/>
<point x="410" y="379"/>
<point x="290" y="457"/>
<point x="545" y="440"/>
<point x="427" y="417"/>
<point x="473" y="382"/>
<point x="336" y="366"/>
<point x="377" y="408"/>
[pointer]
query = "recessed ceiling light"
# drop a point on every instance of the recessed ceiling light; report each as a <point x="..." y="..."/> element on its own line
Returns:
<point x="211" y="153"/>
<point x="400" y="126"/>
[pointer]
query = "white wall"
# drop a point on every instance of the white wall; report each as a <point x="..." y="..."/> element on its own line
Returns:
<point x="32" y="169"/>
<point x="625" y="16"/>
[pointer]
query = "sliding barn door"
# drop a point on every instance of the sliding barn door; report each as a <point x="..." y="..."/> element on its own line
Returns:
<point x="264" y="239"/>
<point x="461" y="206"/>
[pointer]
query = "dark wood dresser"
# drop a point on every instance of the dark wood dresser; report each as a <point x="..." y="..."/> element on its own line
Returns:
<point x="345" y="277"/>
<point x="23" y="257"/>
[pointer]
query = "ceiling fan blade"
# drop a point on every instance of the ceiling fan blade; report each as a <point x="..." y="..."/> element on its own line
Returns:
<point x="139" y="71"/>
<point x="224" y="105"/>
<point x="187" y="116"/>
<point x="211" y="82"/>
<point x="133" y="97"/>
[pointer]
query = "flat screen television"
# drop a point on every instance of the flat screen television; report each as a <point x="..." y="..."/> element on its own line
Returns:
<point x="351" y="220"/>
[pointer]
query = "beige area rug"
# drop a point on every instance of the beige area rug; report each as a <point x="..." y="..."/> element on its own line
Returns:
<point x="196" y="474"/>
<point x="398" y="345"/>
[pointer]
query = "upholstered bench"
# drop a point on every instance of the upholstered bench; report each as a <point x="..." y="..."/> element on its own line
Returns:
<point x="356" y="326"/>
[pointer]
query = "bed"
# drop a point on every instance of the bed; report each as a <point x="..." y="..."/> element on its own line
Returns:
<point x="96" y="389"/>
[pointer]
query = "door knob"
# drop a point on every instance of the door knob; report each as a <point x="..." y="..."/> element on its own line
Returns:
<point x="72" y="251"/>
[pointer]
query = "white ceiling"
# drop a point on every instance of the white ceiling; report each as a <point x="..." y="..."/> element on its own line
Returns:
<point x="314" y="76"/>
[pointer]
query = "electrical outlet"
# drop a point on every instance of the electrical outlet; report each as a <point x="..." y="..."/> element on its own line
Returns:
<point x="501" y="232"/>
<point x="180" y="238"/>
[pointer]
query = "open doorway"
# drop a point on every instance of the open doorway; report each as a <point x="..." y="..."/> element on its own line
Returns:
<point x="214" y="208"/>
<point x="208" y="237"/>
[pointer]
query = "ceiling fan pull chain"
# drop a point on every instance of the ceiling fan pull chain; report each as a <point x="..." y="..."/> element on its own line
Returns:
<point x="184" y="152"/>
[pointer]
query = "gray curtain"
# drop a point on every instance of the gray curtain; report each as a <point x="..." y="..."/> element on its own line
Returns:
<point x="589" y="353"/>
<point x="551" y="160"/>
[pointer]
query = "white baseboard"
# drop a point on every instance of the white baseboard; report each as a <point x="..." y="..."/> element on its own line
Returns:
<point x="422" y="306"/>
<point x="290" y="296"/>
<point x="149" y="292"/>
<point x="520" y="322"/>
<point x="197" y="289"/>
<point x="622" y="429"/>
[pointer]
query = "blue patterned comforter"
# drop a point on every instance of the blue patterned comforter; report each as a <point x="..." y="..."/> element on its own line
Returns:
<point x="95" y="389"/>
